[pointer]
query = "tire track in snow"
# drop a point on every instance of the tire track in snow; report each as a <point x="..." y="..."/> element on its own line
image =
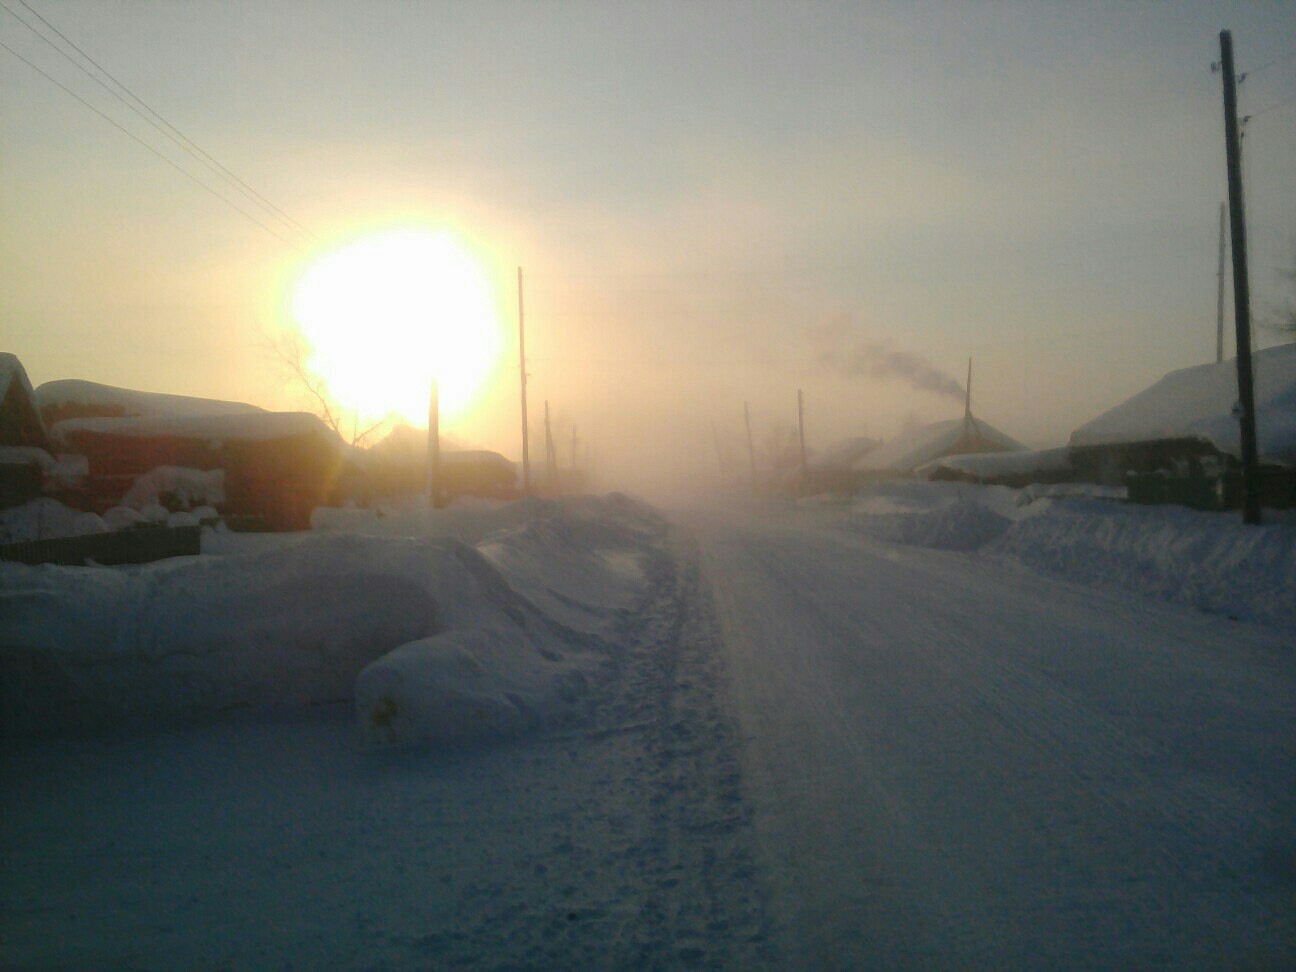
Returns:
<point x="703" y="906"/>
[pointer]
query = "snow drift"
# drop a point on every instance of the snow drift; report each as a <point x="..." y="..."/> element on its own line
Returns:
<point x="1211" y="561"/>
<point x="432" y="638"/>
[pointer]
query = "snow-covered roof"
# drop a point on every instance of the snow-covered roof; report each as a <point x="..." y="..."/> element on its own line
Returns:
<point x="10" y="369"/>
<point x="405" y="443"/>
<point x="256" y="426"/>
<point x="72" y="391"/>
<point x="908" y="451"/>
<point x="1197" y="403"/>
<point x="992" y="465"/>
<point x="843" y="453"/>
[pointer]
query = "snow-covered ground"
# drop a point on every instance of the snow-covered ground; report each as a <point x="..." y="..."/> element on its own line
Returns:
<point x="1209" y="561"/>
<point x="252" y="817"/>
<point x="945" y="726"/>
<point x="954" y="760"/>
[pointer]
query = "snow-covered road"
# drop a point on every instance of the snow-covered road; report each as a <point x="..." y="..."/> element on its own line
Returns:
<point x="954" y="763"/>
<point x="803" y="747"/>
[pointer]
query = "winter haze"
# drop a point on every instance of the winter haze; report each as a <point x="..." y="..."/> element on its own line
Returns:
<point x="712" y="203"/>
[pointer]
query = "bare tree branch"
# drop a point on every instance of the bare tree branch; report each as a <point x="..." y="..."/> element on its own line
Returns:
<point x="288" y="355"/>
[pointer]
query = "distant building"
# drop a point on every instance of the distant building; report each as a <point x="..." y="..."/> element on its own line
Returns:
<point x="397" y="465"/>
<point x="278" y="466"/>
<point x="903" y="455"/>
<point x="24" y="446"/>
<point x="1185" y="427"/>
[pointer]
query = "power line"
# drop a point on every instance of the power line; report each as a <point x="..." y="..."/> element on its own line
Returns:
<point x="179" y="138"/>
<point x="171" y="162"/>
<point x="1268" y="108"/>
<point x="1281" y="59"/>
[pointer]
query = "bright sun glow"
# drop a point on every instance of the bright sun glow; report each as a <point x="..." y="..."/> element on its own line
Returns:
<point x="385" y="315"/>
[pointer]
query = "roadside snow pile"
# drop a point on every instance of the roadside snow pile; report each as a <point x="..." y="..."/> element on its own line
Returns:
<point x="1035" y="491"/>
<point x="1208" y="560"/>
<point x="948" y="516"/>
<point x="467" y="518"/>
<point x="1211" y="561"/>
<point x="434" y="641"/>
<point x="46" y="519"/>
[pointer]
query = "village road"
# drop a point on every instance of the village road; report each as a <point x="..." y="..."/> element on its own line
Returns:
<point x="953" y="763"/>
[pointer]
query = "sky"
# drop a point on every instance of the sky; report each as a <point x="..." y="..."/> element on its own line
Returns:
<point x="713" y="203"/>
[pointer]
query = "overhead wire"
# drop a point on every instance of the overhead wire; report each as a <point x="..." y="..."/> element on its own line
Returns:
<point x="1268" y="108"/>
<point x="171" y="162"/>
<point x="170" y="131"/>
<point x="1280" y="59"/>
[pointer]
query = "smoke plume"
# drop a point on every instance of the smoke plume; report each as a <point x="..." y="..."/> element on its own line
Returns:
<point x="851" y="355"/>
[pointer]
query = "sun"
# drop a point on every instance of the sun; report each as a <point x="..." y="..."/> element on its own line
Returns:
<point x="388" y="314"/>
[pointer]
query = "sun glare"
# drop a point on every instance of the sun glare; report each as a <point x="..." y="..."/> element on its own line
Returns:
<point x="387" y="314"/>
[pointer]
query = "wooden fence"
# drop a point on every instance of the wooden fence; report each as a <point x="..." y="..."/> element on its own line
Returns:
<point x="136" y="546"/>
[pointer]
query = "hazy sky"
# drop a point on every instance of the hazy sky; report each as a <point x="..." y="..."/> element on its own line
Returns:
<point x="705" y="197"/>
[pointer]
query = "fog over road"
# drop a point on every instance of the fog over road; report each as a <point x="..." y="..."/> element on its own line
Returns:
<point x="952" y="762"/>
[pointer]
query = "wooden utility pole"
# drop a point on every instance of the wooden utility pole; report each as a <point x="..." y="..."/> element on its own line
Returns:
<point x="435" y="487"/>
<point x="551" y="455"/>
<point x="526" y="450"/>
<point x="1241" y="287"/>
<point x="967" y="394"/>
<point x="801" y="432"/>
<point x="720" y="463"/>
<point x="1219" y="298"/>
<point x="751" y="449"/>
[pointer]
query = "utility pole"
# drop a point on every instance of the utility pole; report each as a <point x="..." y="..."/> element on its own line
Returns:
<point x="967" y="395"/>
<point x="435" y="487"/>
<point x="1219" y="298"/>
<point x="720" y="463"/>
<point x="526" y="451"/>
<point x="551" y="456"/>
<point x="751" y="449"/>
<point x="801" y="432"/>
<point x="1241" y="288"/>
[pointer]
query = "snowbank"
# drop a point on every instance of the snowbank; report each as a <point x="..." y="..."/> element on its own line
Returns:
<point x="464" y="685"/>
<point x="1211" y="561"/>
<point x="46" y="519"/>
<point x="459" y="644"/>
<point x="1208" y="560"/>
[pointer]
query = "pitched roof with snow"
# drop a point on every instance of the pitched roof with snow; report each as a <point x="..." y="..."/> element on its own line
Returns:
<point x="906" y="452"/>
<point x="1197" y="403"/>
<point x="255" y="426"/>
<point x="68" y="393"/>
